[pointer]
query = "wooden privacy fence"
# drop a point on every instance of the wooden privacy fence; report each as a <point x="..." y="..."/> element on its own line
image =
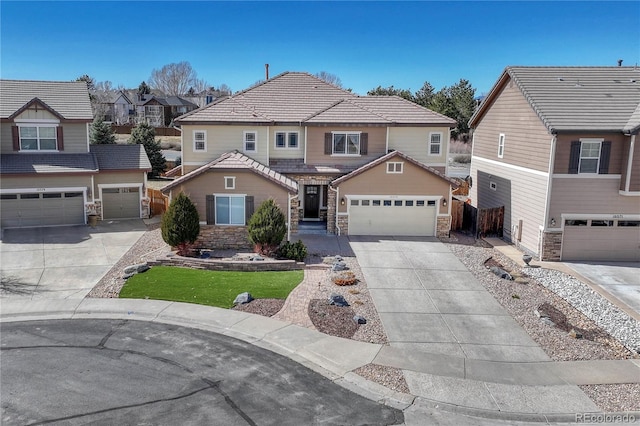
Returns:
<point x="490" y="221"/>
<point x="158" y="201"/>
<point x="159" y="131"/>
<point x="457" y="214"/>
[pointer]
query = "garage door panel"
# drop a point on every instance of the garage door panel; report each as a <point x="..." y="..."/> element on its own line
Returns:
<point x="614" y="243"/>
<point x="42" y="209"/>
<point x="121" y="203"/>
<point x="392" y="220"/>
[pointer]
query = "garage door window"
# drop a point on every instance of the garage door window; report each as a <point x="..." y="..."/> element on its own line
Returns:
<point x="375" y="202"/>
<point x="397" y="203"/>
<point x="629" y="223"/>
<point x="575" y="222"/>
<point x="601" y="223"/>
<point x="8" y="196"/>
<point x="58" y="195"/>
<point x="409" y="203"/>
<point x="387" y="203"/>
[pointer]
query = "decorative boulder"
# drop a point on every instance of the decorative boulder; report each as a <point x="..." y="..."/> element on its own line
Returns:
<point x="359" y="319"/>
<point x="338" y="300"/>
<point x="339" y="266"/>
<point x="501" y="273"/>
<point x="136" y="269"/>
<point x="256" y="258"/>
<point x="205" y="255"/>
<point x="243" y="298"/>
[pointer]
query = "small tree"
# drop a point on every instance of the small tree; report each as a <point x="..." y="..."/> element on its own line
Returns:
<point x="101" y="132"/>
<point x="267" y="228"/>
<point x="144" y="134"/>
<point x="181" y="224"/>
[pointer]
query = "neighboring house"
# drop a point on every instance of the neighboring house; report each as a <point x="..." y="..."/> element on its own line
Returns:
<point x="50" y="175"/>
<point x="390" y="155"/>
<point x="556" y="146"/>
<point x="159" y="111"/>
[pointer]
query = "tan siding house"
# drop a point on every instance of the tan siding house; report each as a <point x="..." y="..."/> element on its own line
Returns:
<point x="556" y="146"/>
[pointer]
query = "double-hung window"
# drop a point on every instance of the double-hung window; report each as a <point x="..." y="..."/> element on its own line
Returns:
<point x="230" y="210"/>
<point x="589" y="157"/>
<point x="200" y="140"/>
<point x="38" y="138"/>
<point x="250" y="141"/>
<point x="287" y="140"/>
<point x="435" y="143"/>
<point x="501" y="139"/>
<point x="346" y="143"/>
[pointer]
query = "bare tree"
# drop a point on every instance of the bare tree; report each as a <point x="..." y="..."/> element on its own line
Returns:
<point x="175" y="79"/>
<point x="329" y="78"/>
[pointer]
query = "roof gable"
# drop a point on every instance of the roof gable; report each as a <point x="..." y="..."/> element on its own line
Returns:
<point x="69" y="99"/>
<point x="388" y="157"/>
<point x="237" y="160"/>
<point x="35" y="102"/>
<point x="573" y="99"/>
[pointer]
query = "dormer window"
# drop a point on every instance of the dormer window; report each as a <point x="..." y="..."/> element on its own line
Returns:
<point x="38" y="138"/>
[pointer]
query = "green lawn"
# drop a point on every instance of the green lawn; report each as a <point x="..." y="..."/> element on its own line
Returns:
<point x="213" y="288"/>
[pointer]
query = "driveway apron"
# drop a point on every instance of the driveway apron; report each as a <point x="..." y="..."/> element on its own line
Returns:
<point x="429" y="302"/>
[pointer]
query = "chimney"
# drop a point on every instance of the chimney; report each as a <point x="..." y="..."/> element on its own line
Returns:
<point x="266" y="71"/>
<point x="619" y="62"/>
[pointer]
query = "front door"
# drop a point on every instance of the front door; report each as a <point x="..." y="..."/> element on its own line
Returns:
<point x="312" y="202"/>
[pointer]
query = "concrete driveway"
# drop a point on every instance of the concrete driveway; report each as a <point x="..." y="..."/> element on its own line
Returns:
<point x="121" y="372"/>
<point x="62" y="262"/>
<point x="620" y="279"/>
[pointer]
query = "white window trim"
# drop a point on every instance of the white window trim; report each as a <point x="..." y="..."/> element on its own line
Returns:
<point x="215" y="207"/>
<point x="204" y="132"/>
<point x="392" y="167"/>
<point x="590" y="140"/>
<point x="501" y="143"/>
<point x="346" y="133"/>
<point x="493" y="186"/>
<point x="37" y="124"/>
<point x="286" y="140"/>
<point x="244" y="140"/>
<point x="233" y="182"/>
<point x="434" y="144"/>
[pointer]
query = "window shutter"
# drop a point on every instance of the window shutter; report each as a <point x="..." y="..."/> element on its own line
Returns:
<point x="328" y="142"/>
<point x="605" y="154"/>
<point x="364" y="143"/>
<point x="211" y="210"/>
<point x="574" y="157"/>
<point x="60" y="139"/>
<point x="15" y="134"/>
<point x="248" y="208"/>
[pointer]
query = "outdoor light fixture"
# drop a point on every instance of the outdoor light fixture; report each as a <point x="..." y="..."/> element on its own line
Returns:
<point x="342" y="201"/>
<point x="444" y="202"/>
<point x="553" y="222"/>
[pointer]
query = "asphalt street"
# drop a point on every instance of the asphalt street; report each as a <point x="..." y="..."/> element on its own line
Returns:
<point x="133" y="372"/>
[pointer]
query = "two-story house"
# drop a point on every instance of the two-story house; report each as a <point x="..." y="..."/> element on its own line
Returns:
<point x="556" y="146"/>
<point x="49" y="173"/>
<point x="364" y="165"/>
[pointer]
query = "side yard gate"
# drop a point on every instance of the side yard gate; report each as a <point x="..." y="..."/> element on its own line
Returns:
<point x="158" y="201"/>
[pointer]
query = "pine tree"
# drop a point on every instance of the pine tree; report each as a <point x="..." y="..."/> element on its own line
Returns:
<point x="267" y="227"/>
<point x="180" y="223"/>
<point x="101" y="132"/>
<point x="144" y="134"/>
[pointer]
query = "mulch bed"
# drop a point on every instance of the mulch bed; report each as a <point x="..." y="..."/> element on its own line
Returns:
<point x="331" y="319"/>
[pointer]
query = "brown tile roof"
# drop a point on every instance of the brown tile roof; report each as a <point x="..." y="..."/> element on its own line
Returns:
<point x="296" y="98"/>
<point x="237" y="160"/>
<point x="70" y="99"/>
<point x="388" y="157"/>
<point x="576" y="99"/>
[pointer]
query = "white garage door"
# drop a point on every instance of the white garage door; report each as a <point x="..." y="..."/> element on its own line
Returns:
<point x="42" y="209"/>
<point x="601" y="240"/>
<point x="392" y="217"/>
<point x="121" y="203"/>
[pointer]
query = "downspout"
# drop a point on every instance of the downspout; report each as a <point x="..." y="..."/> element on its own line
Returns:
<point x="552" y="162"/>
<point x="627" y="183"/>
<point x="337" y="191"/>
<point x="386" y="151"/>
<point x="289" y="198"/>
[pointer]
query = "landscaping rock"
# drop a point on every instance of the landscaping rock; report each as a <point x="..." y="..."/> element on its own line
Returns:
<point x="243" y="298"/>
<point x="337" y="300"/>
<point x="136" y="269"/>
<point x="127" y="276"/>
<point x="575" y="334"/>
<point x="501" y="273"/>
<point x="339" y="266"/>
<point x="359" y="319"/>
<point x="256" y="258"/>
<point x="205" y="255"/>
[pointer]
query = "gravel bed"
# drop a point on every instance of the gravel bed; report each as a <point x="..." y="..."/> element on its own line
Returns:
<point x="264" y="307"/>
<point x="614" y="398"/>
<point x="390" y="377"/>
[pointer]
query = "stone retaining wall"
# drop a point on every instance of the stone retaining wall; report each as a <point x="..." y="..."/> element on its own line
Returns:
<point x="229" y="265"/>
<point x="223" y="237"/>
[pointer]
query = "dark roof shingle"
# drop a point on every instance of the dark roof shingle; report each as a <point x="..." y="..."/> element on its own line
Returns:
<point x="28" y="163"/>
<point x="121" y="157"/>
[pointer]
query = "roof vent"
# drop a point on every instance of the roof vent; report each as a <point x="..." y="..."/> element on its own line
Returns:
<point x="560" y="79"/>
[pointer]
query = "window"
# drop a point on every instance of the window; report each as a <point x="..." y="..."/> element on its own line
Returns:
<point x="355" y="202"/>
<point x="199" y="140"/>
<point x="501" y="145"/>
<point x="229" y="182"/>
<point x="575" y="222"/>
<point x="365" y="202"/>
<point x="419" y="203"/>
<point x="493" y="185"/>
<point x="394" y="167"/>
<point x="38" y="138"/>
<point x="375" y="202"/>
<point x="386" y="203"/>
<point x="346" y="143"/>
<point x="287" y="140"/>
<point x="408" y="203"/>
<point x="397" y="203"/>
<point x="250" y="139"/>
<point x="230" y="210"/>
<point x="595" y="222"/>
<point x="629" y="223"/>
<point x="435" y="143"/>
<point x="589" y="157"/>
<point x="431" y="203"/>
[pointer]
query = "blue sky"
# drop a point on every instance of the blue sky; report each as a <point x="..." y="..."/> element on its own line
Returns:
<point x="366" y="44"/>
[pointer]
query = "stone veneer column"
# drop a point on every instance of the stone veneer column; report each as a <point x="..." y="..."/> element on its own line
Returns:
<point x="293" y="226"/>
<point x="443" y="226"/>
<point x="331" y="212"/>
<point x="551" y="246"/>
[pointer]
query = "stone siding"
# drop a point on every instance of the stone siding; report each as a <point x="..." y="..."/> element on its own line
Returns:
<point x="343" y="224"/>
<point x="294" y="215"/>
<point x="443" y="226"/>
<point x="222" y="237"/>
<point x="551" y="246"/>
<point x="331" y="212"/>
<point x="229" y="265"/>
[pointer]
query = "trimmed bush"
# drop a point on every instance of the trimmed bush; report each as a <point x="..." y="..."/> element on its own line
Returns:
<point x="296" y="251"/>
<point x="267" y="228"/>
<point x="181" y="224"/>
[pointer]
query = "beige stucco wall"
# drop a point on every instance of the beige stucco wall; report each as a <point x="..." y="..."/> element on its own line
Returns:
<point x="46" y="181"/>
<point x="527" y="141"/>
<point x="247" y="183"/>
<point x="75" y="137"/>
<point x="125" y="177"/>
<point x="221" y="139"/>
<point x="413" y="181"/>
<point x="414" y="142"/>
<point x="297" y="153"/>
<point x="377" y="142"/>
